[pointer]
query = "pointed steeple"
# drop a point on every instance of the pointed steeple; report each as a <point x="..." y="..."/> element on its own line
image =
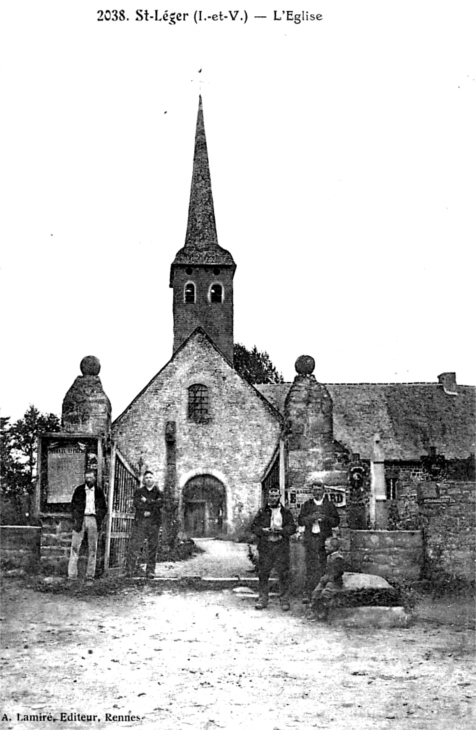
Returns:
<point x="202" y="272"/>
<point x="201" y="240"/>
<point x="201" y="226"/>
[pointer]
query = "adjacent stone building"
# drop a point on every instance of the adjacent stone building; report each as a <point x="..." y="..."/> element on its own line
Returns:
<point x="389" y="453"/>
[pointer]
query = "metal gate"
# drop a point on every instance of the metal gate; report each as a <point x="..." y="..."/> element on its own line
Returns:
<point x="272" y="479"/>
<point x="122" y="484"/>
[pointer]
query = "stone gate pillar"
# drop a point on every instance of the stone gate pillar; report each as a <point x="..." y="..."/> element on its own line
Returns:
<point x="311" y="450"/>
<point x="65" y="456"/>
<point x="86" y="407"/>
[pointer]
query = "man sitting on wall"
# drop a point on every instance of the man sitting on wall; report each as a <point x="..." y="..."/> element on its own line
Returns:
<point x="331" y="582"/>
<point x="148" y="504"/>
<point x="318" y="516"/>
<point x="88" y="509"/>
<point x="273" y="526"/>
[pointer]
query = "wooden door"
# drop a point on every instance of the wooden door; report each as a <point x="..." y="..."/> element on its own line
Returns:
<point x="195" y="519"/>
<point x="204" y="505"/>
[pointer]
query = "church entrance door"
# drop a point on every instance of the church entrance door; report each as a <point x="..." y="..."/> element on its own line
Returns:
<point x="204" y="506"/>
<point x="195" y="518"/>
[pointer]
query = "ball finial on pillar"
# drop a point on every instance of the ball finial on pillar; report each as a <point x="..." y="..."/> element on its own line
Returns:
<point x="305" y="365"/>
<point x="90" y="365"/>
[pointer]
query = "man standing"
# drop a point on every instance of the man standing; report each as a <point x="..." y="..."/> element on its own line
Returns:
<point x="318" y="516"/>
<point x="88" y="509"/>
<point x="273" y="526"/>
<point x="148" y="504"/>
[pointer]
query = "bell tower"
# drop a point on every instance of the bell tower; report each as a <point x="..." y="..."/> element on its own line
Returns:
<point x="202" y="272"/>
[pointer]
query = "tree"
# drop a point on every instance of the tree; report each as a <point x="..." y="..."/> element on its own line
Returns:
<point x="25" y="432"/>
<point x="18" y="456"/>
<point x="11" y="477"/>
<point x="255" y="366"/>
<point x="8" y="466"/>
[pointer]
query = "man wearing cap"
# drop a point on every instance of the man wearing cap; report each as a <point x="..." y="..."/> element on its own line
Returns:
<point x="88" y="509"/>
<point x="148" y="504"/>
<point x="273" y="526"/>
<point x="318" y="516"/>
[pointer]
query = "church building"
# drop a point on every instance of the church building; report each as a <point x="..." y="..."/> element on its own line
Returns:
<point x="227" y="434"/>
<point x="219" y="442"/>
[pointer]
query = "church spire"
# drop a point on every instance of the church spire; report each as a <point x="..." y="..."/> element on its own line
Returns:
<point x="202" y="272"/>
<point x="201" y="240"/>
<point x="201" y="226"/>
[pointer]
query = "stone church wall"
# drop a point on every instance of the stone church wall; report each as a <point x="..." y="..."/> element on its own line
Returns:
<point x="216" y="319"/>
<point x="235" y="446"/>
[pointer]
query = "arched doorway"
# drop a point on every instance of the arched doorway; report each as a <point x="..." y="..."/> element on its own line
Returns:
<point x="204" y="506"/>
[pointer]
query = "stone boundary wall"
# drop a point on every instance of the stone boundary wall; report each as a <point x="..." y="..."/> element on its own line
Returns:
<point x="395" y="554"/>
<point x="449" y="512"/>
<point x="20" y="547"/>
<point x="56" y="531"/>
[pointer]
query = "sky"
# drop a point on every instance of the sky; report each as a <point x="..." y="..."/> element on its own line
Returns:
<point x="342" y="156"/>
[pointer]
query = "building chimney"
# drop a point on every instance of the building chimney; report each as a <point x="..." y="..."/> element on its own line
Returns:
<point x="448" y="381"/>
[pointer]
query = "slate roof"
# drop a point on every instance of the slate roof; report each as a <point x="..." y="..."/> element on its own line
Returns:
<point x="410" y="417"/>
<point x="206" y="255"/>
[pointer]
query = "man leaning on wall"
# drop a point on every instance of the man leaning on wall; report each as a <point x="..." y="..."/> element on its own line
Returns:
<point x="88" y="509"/>
<point x="148" y="506"/>
<point x="318" y="516"/>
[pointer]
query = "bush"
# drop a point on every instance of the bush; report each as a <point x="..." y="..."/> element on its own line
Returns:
<point x="243" y="532"/>
<point x="182" y="550"/>
<point x="13" y="512"/>
<point x="440" y="581"/>
<point x="408" y="595"/>
<point x="443" y="584"/>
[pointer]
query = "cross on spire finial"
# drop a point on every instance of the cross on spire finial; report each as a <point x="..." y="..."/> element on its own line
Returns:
<point x="199" y="80"/>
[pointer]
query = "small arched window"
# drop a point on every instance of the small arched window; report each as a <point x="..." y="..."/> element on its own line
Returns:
<point x="198" y="403"/>
<point x="216" y="293"/>
<point x="189" y="293"/>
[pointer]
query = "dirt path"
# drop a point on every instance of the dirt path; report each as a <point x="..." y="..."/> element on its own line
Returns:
<point x="219" y="559"/>
<point x="209" y="661"/>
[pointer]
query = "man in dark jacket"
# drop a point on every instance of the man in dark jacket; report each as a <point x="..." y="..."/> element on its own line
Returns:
<point x="148" y="504"/>
<point x="88" y="509"/>
<point x="318" y="516"/>
<point x="273" y="526"/>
